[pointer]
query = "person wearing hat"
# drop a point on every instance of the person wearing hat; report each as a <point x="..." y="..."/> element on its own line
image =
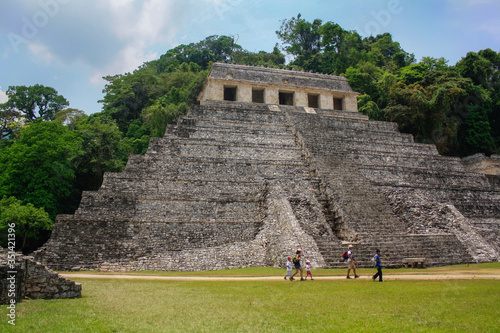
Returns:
<point x="296" y="262"/>
<point x="308" y="269"/>
<point x="351" y="263"/>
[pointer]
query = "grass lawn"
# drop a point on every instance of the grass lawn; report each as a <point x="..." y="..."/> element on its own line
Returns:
<point x="113" y="305"/>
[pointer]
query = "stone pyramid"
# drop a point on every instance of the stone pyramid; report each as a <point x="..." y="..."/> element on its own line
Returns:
<point x="272" y="160"/>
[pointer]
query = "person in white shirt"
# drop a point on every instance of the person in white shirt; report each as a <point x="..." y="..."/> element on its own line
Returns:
<point x="308" y="269"/>
<point x="288" y="267"/>
<point x="351" y="263"/>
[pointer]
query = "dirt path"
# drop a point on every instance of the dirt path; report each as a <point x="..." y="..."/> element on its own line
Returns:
<point x="387" y="277"/>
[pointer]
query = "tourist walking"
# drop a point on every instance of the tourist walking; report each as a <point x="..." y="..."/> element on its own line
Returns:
<point x="308" y="269"/>
<point x="296" y="262"/>
<point x="376" y="258"/>
<point x="288" y="267"/>
<point x="351" y="263"/>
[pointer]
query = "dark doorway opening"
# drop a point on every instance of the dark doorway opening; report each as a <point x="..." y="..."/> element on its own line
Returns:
<point x="230" y="93"/>
<point x="338" y="104"/>
<point x="258" y="95"/>
<point x="286" y="98"/>
<point x="313" y="101"/>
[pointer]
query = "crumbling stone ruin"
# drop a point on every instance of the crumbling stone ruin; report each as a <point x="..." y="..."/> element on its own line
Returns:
<point x="21" y="277"/>
<point x="272" y="160"/>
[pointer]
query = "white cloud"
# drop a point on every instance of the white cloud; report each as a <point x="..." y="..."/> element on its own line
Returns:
<point x="3" y="96"/>
<point x="146" y="21"/>
<point x="128" y="59"/>
<point x="138" y="26"/>
<point x="41" y="52"/>
<point x="492" y="28"/>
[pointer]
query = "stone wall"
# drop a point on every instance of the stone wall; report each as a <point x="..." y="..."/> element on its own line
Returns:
<point x="279" y="236"/>
<point x="483" y="164"/>
<point x="30" y="279"/>
<point x="130" y="241"/>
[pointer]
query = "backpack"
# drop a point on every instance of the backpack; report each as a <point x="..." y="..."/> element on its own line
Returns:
<point x="345" y="255"/>
<point x="294" y="259"/>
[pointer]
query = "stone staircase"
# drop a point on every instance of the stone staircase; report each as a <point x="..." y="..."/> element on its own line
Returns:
<point x="360" y="161"/>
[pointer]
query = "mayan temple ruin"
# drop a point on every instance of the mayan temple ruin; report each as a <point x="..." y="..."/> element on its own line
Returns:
<point x="271" y="160"/>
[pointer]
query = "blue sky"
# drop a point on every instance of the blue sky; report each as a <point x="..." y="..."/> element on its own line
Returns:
<point x="70" y="44"/>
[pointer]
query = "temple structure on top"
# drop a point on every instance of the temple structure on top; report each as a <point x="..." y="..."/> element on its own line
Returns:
<point x="260" y="85"/>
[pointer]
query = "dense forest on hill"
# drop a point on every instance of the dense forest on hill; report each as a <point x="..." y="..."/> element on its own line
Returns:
<point x="50" y="153"/>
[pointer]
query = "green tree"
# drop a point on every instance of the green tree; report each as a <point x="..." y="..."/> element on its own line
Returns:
<point x="159" y="115"/>
<point x="368" y="107"/>
<point x="300" y="37"/>
<point x="341" y="48"/>
<point x="36" y="102"/>
<point x="366" y="78"/>
<point x="101" y="149"/>
<point x="10" y="121"/>
<point x="409" y="108"/>
<point x="483" y="68"/>
<point x="29" y="224"/>
<point x="137" y="136"/>
<point x="414" y="73"/>
<point x="126" y="95"/>
<point x="262" y="58"/>
<point x="386" y="53"/>
<point x="477" y="131"/>
<point x="70" y="117"/>
<point x="38" y="167"/>
<point x="212" y="49"/>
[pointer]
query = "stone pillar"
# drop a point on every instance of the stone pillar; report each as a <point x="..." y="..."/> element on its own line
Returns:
<point x="301" y="98"/>
<point x="351" y="103"/>
<point x="271" y="96"/>
<point x="244" y="94"/>
<point x="214" y="91"/>
<point x="326" y="101"/>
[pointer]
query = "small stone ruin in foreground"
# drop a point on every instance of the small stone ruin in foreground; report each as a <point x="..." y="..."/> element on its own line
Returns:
<point x="22" y="278"/>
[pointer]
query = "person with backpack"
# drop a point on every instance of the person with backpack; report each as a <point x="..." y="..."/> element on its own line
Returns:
<point x="351" y="263"/>
<point x="296" y="262"/>
<point x="376" y="258"/>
